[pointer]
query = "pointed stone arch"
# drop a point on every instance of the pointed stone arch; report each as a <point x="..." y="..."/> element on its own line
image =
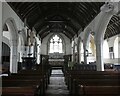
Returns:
<point x="107" y="11"/>
<point x="10" y="22"/>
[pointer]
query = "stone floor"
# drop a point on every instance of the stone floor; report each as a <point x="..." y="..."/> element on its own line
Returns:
<point x="57" y="85"/>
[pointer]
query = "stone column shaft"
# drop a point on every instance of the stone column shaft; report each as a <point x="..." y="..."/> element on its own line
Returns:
<point x="1" y="32"/>
<point x="13" y="58"/>
<point x="106" y="14"/>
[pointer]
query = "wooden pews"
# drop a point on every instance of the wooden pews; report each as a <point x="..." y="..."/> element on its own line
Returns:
<point x="93" y="83"/>
<point x="26" y="83"/>
<point x="18" y="91"/>
<point x="85" y="67"/>
<point x="99" y="90"/>
<point x="17" y="86"/>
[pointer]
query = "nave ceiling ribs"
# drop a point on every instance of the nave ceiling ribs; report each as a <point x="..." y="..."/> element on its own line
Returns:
<point x="74" y="15"/>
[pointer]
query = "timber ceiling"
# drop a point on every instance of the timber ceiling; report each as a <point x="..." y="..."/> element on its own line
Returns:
<point x="113" y="27"/>
<point x="62" y="17"/>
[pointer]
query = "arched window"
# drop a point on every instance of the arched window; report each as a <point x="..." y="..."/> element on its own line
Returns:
<point x="105" y="49"/>
<point x="56" y="44"/>
<point x="116" y="47"/>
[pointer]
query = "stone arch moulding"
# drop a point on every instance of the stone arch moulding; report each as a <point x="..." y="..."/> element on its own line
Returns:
<point x="6" y="41"/>
<point x="107" y="11"/>
<point x="10" y="22"/>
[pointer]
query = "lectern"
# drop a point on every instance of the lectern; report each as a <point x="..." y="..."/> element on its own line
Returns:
<point x="28" y="62"/>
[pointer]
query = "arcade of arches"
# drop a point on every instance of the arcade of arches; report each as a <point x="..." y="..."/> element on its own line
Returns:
<point x="59" y="34"/>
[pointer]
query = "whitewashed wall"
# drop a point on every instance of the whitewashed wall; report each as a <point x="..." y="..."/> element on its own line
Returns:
<point x="111" y="42"/>
<point x="67" y="44"/>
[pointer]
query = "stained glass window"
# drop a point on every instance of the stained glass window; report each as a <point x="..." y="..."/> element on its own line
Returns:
<point x="56" y="44"/>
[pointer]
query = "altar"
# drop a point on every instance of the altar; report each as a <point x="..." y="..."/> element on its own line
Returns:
<point x="28" y="62"/>
<point x="56" y="59"/>
<point x="56" y="62"/>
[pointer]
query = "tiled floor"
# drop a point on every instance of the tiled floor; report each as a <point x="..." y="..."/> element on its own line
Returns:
<point x="57" y="85"/>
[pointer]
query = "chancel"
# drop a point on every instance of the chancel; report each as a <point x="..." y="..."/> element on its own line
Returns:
<point x="68" y="48"/>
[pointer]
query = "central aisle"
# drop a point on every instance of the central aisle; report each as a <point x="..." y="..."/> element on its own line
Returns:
<point x="57" y="85"/>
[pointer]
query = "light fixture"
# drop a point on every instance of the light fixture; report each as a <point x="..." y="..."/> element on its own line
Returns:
<point x="19" y="31"/>
<point x="65" y="26"/>
<point x="92" y="33"/>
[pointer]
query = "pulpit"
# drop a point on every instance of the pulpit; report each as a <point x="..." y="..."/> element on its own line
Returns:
<point x="28" y="62"/>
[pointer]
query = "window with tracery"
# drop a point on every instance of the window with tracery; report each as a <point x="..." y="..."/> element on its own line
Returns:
<point x="56" y="44"/>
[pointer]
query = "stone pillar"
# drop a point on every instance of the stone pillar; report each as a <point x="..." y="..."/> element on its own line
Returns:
<point x="22" y="52"/>
<point x="74" y="52"/>
<point x="85" y="56"/>
<point x="72" y="49"/>
<point x="1" y="32"/>
<point x="78" y="50"/>
<point x="38" y="55"/>
<point x="32" y="50"/>
<point x="1" y="45"/>
<point x="107" y="11"/>
<point x="13" y="57"/>
<point x="86" y="43"/>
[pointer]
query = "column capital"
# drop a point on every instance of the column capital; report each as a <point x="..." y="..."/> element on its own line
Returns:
<point x="107" y="7"/>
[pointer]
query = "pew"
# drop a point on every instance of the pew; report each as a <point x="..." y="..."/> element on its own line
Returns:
<point x="99" y="90"/>
<point x="70" y="73"/>
<point x="92" y="82"/>
<point x="85" y="67"/>
<point x="27" y="78"/>
<point x="18" y="91"/>
<point x="39" y="71"/>
<point x="90" y="74"/>
<point x="35" y="81"/>
<point x="77" y="78"/>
